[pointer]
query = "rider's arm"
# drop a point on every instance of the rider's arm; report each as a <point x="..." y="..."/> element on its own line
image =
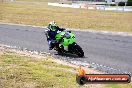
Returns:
<point x="60" y="29"/>
<point x="47" y="33"/>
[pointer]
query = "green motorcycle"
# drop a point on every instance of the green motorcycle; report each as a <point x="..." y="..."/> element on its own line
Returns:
<point x="66" y="39"/>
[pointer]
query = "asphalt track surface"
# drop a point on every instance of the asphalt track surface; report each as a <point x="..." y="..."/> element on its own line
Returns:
<point x="101" y="50"/>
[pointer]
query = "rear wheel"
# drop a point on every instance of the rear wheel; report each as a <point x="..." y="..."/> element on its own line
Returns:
<point x="60" y="49"/>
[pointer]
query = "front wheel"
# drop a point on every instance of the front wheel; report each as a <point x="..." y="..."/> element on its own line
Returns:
<point x="79" y="51"/>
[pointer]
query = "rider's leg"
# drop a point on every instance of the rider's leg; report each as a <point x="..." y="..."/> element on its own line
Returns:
<point x="51" y="46"/>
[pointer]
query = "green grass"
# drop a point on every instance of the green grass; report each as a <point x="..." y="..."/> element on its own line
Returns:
<point x="18" y="71"/>
<point x="40" y="14"/>
<point x="119" y="85"/>
<point x="37" y="0"/>
<point x="21" y="71"/>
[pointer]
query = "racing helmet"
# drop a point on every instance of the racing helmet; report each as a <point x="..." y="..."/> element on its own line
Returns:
<point x="53" y="26"/>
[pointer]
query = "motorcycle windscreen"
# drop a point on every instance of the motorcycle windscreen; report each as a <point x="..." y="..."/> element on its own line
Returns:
<point x="67" y="41"/>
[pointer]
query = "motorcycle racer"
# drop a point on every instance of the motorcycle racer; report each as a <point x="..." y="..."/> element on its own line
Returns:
<point x="51" y="33"/>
